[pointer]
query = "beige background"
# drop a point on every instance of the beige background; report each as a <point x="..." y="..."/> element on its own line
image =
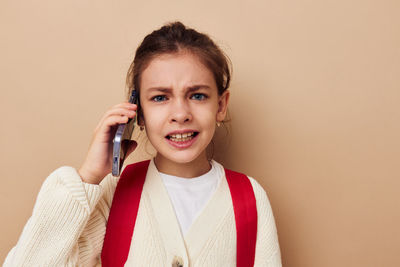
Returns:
<point x="315" y="108"/>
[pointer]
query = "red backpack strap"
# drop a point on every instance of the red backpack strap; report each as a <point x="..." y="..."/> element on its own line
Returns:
<point x="244" y="206"/>
<point x="123" y="213"/>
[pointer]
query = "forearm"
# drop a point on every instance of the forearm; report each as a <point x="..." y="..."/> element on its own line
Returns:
<point x="60" y="214"/>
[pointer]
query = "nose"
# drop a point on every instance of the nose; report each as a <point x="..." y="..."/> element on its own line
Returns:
<point x="180" y="112"/>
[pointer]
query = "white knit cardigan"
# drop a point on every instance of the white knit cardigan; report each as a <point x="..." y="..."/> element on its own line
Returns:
<point x="68" y="223"/>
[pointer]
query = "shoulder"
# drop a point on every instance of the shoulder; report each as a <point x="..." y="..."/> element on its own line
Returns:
<point x="267" y="248"/>
<point x="259" y="192"/>
<point x="261" y="196"/>
<point x="257" y="188"/>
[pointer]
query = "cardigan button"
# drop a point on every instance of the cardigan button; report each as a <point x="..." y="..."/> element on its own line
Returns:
<point x="177" y="262"/>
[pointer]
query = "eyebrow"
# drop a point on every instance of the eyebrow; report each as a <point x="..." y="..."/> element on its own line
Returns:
<point x="190" y="88"/>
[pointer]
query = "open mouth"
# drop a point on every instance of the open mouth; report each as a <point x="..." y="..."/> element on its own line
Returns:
<point x="182" y="137"/>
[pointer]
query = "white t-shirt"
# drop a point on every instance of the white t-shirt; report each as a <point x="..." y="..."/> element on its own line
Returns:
<point x="190" y="195"/>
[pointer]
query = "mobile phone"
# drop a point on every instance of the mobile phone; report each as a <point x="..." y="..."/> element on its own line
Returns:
<point x="121" y="139"/>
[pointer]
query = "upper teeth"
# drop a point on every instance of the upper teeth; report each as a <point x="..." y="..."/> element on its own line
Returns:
<point x="184" y="135"/>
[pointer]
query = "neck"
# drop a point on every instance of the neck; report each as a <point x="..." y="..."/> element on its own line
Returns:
<point x="195" y="168"/>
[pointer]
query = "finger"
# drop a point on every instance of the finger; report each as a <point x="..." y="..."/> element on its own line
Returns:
<point x="110" y="122"/>
<point x="115" y="120"/>
<point x="125" y="104"/>
<point x="120" y="111"/>
<point x="115" y="112"/>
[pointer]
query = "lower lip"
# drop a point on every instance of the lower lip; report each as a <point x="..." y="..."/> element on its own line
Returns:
<point x="183" y="144"/>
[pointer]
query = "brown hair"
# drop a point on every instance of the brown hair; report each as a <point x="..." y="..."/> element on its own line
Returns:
<point x="175" y="37"/>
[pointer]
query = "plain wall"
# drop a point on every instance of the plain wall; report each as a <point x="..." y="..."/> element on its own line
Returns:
<point x="314" y="107"/>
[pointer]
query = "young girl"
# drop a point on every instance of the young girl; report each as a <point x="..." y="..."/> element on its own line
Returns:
<point x="186" y="215"/>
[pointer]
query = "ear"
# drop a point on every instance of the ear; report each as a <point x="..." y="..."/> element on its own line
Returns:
<point x="223" y="105"/>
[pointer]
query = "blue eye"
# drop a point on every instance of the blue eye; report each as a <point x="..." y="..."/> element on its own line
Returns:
<point x="158" y="98"/>
<point x="199" y="96"/>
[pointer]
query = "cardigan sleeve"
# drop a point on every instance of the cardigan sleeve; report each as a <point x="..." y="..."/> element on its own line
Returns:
<point x="267" y="244"/>
<point x="67" y="224"/>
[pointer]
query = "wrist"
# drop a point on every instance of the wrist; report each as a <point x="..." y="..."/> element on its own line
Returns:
<point x="87" y="177"/>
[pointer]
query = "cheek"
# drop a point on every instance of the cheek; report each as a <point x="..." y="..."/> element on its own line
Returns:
<point x="207" y="117"/>
<point x="212" y="111"/>
<point x="154" y="120"/>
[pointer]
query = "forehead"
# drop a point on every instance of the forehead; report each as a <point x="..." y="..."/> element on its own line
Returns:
<point x="176" y="71"/>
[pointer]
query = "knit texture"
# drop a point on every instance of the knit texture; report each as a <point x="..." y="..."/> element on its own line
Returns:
<point x="68" y="223"/>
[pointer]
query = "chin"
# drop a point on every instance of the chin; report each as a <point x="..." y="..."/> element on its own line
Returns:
<point x="182" y="157"/>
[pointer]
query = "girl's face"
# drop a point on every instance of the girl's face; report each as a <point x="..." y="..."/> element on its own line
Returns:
<point x="181" y="105"/>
